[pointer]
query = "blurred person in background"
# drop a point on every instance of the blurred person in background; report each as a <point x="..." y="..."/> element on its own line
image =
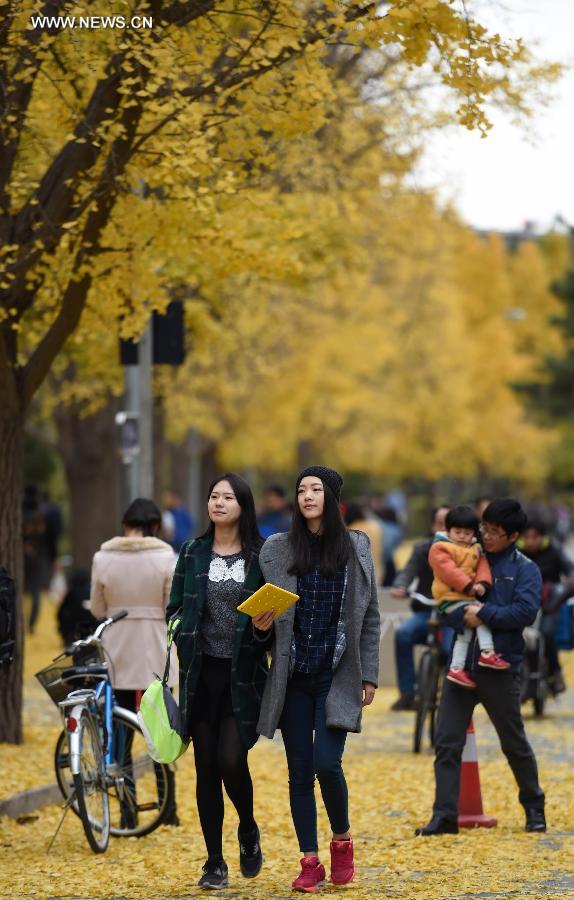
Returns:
<point x="554" y="565"/>
<point x="134" y="572"/>
<point x="562" y="522"/>
<point x="358" y="518"/>
<point x="392" y="537"/>
<point x="38" y="561"/>
<point x="275" y="516"/>
<point x="481" y="503"/>
<point x="397" y="500"/>
<point x="417" y="575"/>
<point x="74" y="617"/>
<point x="181" y="523"/>
<point x="54" y="525"/>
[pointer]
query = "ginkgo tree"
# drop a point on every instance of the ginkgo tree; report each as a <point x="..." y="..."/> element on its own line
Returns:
<point x="403" y="366"/>
<point x="103" y="131"/>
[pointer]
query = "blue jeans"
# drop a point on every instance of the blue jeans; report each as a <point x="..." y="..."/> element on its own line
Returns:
<point x="309" y="755"/>
<point x="414" y="631"/>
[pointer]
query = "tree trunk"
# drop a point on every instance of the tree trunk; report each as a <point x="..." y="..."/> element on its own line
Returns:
<point x="89" y="451"/>
<point x="304" y="455"/>
<point x="210" y="469"/>
<point x="11" y="436"/>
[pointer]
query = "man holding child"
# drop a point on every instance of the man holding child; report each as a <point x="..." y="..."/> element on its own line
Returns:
<point x="509" y="606"/>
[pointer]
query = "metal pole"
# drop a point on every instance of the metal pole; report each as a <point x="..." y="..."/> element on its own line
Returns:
<point x="132" y="404"/>
<point x="145" y="374"/>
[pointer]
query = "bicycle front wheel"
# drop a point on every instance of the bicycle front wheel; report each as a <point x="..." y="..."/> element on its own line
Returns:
<point x="90" y="785"/>
<point x="141" y="791"/>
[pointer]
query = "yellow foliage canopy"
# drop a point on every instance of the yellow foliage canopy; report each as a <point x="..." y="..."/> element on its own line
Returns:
<point x="252" y="159"/>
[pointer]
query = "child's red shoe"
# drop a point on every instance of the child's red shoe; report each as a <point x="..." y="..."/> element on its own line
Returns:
<point x="493" y="661"/>
<point x="342" y="862"/>
<point x="312" y="875"/>
<point x="462" y="678"/>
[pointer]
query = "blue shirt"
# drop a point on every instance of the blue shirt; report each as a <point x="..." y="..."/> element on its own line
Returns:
<point x="318" y="614"/>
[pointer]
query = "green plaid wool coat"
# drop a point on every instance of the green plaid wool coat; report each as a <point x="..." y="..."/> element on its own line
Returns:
<point x="249" y="657"/>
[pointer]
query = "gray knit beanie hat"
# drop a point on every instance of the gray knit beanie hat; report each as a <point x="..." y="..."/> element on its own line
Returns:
<point x="328" y="476"/>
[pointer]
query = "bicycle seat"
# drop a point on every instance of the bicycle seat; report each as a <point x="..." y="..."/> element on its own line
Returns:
<point x="84" y="671"/>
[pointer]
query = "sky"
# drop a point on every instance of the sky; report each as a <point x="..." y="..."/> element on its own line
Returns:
<point x="513" y="177"/>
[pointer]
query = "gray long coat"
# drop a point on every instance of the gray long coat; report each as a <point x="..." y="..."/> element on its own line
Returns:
<point x="360" y="661"/>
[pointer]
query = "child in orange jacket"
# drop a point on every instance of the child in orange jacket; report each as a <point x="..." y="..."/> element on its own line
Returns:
<point x="461" y="574"/>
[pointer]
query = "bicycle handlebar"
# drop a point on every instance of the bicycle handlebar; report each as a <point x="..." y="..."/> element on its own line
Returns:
<point x="95" y="637"/>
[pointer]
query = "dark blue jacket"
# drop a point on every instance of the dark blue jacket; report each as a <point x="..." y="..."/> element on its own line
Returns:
<point x="511" y="605"/>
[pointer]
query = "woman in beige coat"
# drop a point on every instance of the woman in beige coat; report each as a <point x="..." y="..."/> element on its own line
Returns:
<point x="134" y="572"/>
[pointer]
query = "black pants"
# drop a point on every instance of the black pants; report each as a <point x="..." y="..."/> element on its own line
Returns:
<point x="36" y="597"/>
<point x="220" y="754"/>
<point x="499" y="693"/>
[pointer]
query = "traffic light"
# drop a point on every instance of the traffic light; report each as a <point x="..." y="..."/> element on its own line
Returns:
<point x="168" y="339"/>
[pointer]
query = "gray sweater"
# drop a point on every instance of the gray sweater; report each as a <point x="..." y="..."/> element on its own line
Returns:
<point x="360" y="661"/>
<point x="223" y="596"/>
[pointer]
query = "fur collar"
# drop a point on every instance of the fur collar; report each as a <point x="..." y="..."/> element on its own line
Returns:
<point x="130" y="544"/>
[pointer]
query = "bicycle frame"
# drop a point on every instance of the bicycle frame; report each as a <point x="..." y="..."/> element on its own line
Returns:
<point x="91" y="701"/>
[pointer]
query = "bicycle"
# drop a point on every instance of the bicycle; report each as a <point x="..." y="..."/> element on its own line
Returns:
<point x="428" y="680"/>
<point x="103" y="769"/>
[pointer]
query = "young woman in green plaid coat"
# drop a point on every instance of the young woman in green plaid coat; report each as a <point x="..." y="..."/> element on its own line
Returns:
<point x="223" y="667"/>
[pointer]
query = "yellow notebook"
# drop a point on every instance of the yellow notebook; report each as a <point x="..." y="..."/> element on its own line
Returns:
<point x="267" y="598"/>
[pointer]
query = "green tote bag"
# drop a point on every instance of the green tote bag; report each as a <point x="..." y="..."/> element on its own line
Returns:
<point x="159" y="716"/>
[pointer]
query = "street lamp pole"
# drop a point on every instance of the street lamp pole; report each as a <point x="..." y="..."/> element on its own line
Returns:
<point x="145" y="377"/>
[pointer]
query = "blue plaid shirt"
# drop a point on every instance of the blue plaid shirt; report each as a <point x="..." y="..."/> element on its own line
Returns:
<point x="319" y="630"/>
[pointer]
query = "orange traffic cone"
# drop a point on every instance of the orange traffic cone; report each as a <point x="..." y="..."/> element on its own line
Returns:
<point x="470" y="812"/>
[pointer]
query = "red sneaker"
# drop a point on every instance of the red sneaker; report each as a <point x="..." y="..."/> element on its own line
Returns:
<point x="342" y="862"/>
<point x="312" y="875"/>
<point x="493" y="661"/>
<point x="459" y="676"/>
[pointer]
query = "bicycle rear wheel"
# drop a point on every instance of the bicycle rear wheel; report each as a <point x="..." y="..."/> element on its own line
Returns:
<point x="90" y="785"/>
<point x="141" y="791"/>
<point x="64" y="776"/>
<point x="427" y="685"/>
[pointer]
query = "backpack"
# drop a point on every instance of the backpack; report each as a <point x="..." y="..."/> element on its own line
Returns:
<point x="7" y="618"/>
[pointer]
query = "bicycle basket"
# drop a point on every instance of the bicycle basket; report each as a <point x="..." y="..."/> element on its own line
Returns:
<point x="56" y="686"/>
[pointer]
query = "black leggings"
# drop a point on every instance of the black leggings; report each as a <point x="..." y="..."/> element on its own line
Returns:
<point x="220" y="756"/>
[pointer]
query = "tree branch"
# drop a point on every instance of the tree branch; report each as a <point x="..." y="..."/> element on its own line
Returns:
<point x="76" y="293"/>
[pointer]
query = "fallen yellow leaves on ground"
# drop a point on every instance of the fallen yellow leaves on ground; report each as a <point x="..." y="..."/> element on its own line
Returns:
<point x="391" y="792"/>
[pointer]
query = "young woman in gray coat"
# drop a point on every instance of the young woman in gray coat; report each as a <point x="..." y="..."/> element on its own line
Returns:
<point x="325" y="662"/>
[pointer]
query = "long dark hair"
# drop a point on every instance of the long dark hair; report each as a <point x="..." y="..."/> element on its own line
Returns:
<point x="334" y="541"/>
<point x="249" y="535"/>
<point x="143" y="514"/>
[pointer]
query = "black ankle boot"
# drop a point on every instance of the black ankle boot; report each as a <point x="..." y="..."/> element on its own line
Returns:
<point x="437" y="825"/>
<point x="535" y="819"/>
